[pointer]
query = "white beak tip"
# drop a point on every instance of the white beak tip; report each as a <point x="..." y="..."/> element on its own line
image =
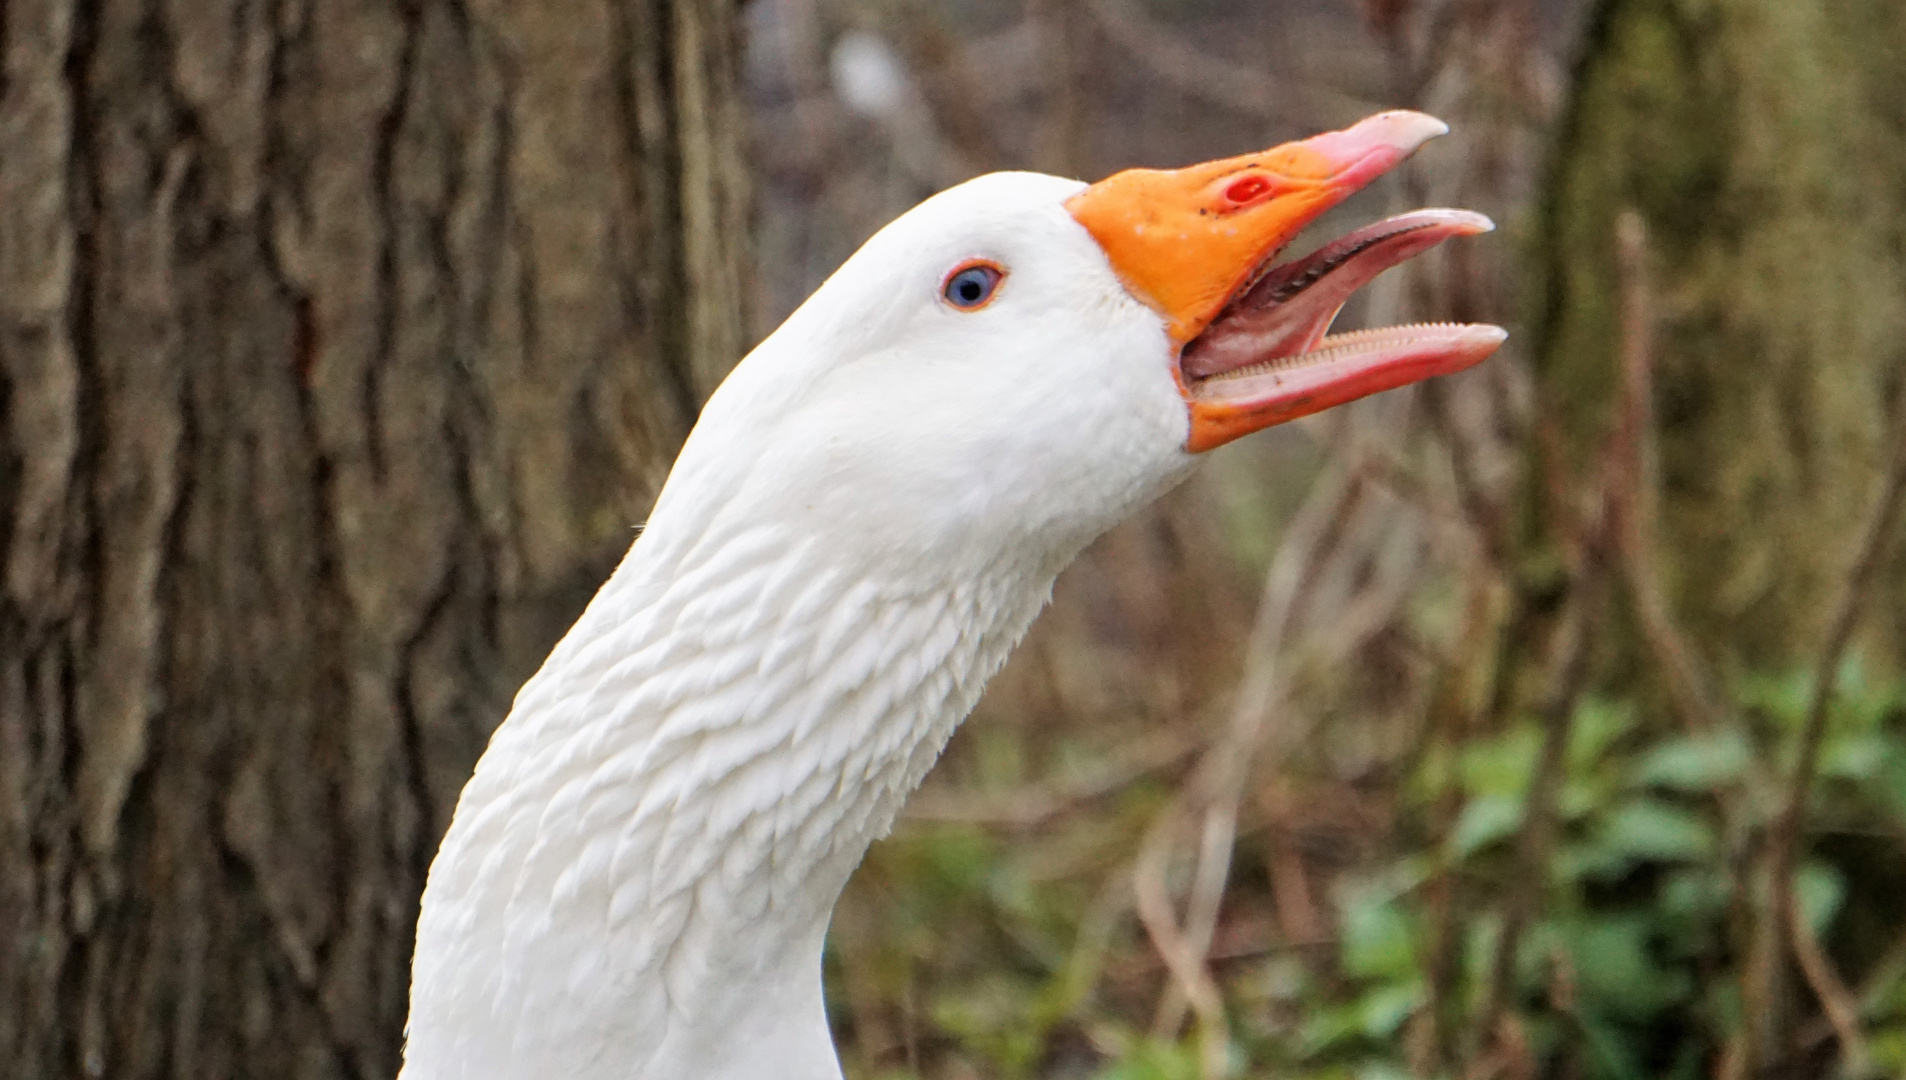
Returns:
<point x="1406" y="129"/>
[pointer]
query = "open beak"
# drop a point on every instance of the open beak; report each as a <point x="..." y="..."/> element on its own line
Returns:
<point x="1253" y="347"/>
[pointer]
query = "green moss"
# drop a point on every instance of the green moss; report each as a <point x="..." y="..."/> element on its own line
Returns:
<point x="1763" y="143"/>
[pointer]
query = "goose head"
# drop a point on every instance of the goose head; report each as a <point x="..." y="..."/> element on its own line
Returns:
<point x="1020" y="361"/>
<point x="869" y="513"/>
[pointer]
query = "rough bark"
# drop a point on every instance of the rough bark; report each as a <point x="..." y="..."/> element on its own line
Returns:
<point x="341" y="345"/>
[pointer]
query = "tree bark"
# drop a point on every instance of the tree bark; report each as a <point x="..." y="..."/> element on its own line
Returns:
<point x="341" y="346"/>
<point x="1763" y="141"/>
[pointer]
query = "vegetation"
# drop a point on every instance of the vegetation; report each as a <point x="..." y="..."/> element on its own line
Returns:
<point x="1004" y="955"/>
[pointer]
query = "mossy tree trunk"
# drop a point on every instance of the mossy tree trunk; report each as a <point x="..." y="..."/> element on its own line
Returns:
<point x="341" y="345"/>
<point x="1764" y="144"/>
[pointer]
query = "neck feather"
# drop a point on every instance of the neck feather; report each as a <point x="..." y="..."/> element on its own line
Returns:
<point x="639" y="875"/>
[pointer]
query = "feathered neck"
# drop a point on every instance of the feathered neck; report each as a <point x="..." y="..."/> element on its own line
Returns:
<point x="638" y="878"/>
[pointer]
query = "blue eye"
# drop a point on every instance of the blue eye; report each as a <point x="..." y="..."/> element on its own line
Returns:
<point x="969" y="287"/>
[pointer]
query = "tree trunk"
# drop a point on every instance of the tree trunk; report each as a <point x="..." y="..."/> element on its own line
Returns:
<point x="341" y="345"/>
<point x="1764" y="142"/>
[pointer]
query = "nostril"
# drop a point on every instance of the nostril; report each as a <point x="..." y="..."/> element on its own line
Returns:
<point x="1247" y="189"/>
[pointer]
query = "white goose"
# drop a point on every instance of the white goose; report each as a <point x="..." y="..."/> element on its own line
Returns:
<point x="870" y="512"/>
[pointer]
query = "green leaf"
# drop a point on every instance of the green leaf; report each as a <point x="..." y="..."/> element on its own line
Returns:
<point x="1581" y="796"/>
<point x="1591" y="860"/>
<point x="1615" y="973"/>
<point x="1888" y="1047"/>
<point x="1377" y="938"/>
<point x="1599" y="724"/>
<point x="1850" y="683"/>
<point x="1378" y="1069"/>
<point x="1653" y="830"/>
<point x="1696" y="895"/>
<point x="1819" y="888"/>
<point x="1152" y="1059"/>
<point x="988" y="1018"/>
<point x="1329" y="1028"/>
<point x="1696" y="763"/>
<point x="1857" y="756"/>
<point x="1386" y="1008"/>
<point x="1783" y="698"/>
<point x="1891" y="784"/>
<point x="1609" y="1055"/>
<point x="1484" y="820"/>
<point x="1502" y="765"/>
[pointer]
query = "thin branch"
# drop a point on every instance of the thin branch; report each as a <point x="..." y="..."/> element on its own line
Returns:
<point x="1296" y="911"/>
<point x="1093" y="941"/>
<point x="1784" y="839"/>
<point x="1335" y="519"/>
<point x="1636" y="493"/>
<point x="1035" y="805"/>
<point x="1843" y="1012"/>
<point x="1184" y="946"/>
<point x="1873" y="994"/>
<point x="1184" y="958"/>
<point x="1386" y="469"/>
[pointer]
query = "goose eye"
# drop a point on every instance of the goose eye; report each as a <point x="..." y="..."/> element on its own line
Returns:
<point x="971" y="286"/>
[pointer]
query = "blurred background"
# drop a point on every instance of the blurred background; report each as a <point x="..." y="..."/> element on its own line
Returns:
<point x="1542" y="721"/>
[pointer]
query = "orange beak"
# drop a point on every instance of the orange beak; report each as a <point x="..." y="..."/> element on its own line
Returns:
<point x="1196" y="244"/>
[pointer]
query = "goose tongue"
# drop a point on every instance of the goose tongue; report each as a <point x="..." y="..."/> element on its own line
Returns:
<point x="1266" y="358"/>
<point x="1195" y="243"/>
<point x="1289" y="309"/>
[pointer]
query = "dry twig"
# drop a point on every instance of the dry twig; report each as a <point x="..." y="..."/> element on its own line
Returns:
<point x="1784" y="837"/>
<point x="1843" y="1012"/>
<point x="1635" y="493"/>
<point x="1184" y="946"/>
<point x="1035" y="805"/>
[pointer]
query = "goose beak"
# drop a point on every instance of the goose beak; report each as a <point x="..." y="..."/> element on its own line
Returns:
<point x="1199" y="245"/>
